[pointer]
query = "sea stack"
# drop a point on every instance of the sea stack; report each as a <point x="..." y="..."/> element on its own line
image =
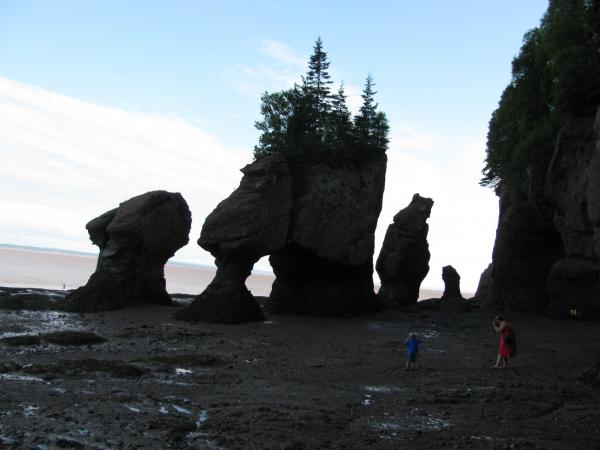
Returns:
<point x="326" y="266"/>
<point x="252" y="222"/>
<point x="403" y="261"/>
<point x="136" y="240"/>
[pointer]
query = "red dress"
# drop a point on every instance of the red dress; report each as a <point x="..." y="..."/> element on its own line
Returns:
<point x="508" y="342"/>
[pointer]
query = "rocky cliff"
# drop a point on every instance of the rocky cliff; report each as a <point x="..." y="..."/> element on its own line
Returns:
<point x="546" y="256"/>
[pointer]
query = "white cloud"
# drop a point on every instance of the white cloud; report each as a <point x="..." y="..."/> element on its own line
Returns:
<point x="282" y="53"/>
<point x="66" y="161"/>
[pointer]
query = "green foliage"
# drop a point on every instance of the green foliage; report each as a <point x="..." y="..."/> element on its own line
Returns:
<point x="309" y="124"/>
<point x="555" y="75"/>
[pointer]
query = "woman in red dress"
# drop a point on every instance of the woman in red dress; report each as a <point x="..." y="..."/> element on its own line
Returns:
<point x="508" y="342"/>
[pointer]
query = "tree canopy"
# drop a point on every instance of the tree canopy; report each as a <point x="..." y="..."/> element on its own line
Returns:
<point x="308" y="123"/>
<point x="555" y="75"/>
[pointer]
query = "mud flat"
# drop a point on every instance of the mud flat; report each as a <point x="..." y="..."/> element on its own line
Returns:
<point x="294" y="383"/>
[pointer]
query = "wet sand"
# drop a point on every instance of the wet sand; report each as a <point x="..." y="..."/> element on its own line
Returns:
<point x="296" y="383"/>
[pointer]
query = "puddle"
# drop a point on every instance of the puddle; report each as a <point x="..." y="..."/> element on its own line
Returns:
<point x="430" y="334"/>
<point x="435" y="350"/>
<point x="58" y="390"/>
<point x="13" y="377"/>
<point x="30" y="410"/>
<point x="36" y="322"/>
<point x="268" y="322"/>
<point x="202" y="417"/>
<point x="181" y="409"/>
<point x="383" y="389"/>
<point x="163" y="410"/>
<point x="6" y="440"/>
<point x="176" y="383"/>
<point x="133" y="409"/>
<point x="200" y="439"/>
<point x="180" y="371"/>
<point x="416" y="421"/>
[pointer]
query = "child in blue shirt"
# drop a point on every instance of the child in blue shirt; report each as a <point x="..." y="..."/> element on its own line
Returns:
<point x="412" y="347"/>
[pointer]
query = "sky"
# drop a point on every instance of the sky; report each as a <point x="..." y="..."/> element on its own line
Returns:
<point x="101" y="100"/>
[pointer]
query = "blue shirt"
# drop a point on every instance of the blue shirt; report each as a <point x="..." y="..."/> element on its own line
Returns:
<point x="413" y="345"/>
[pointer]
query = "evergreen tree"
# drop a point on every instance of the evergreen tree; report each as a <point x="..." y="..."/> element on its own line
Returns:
<point x="555" y="75"/>
<point x="308" y="124"/>
<point x="340" y="129"/>
<point x="370" y="126"/>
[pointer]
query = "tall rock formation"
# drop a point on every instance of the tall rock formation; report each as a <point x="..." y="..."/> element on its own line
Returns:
<point x="252" y="222"/>
<point x="546" y="257"/>
<point x="451" y="280"/>
<point x="326" y="266"/>
<point x="136" y="240"/>
<point x="526" y="246"/>
<point x="317" y="222"/>
<point x="573" y="187"/>
<point x="404" y="259"/>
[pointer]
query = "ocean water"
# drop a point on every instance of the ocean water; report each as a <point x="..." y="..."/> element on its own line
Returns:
<point x="55" y="269"/>
<point x="50" y="269"/>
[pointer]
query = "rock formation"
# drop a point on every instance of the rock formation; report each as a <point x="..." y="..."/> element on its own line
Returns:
<point x="326" y="266"/>
<point x="317" y="222"/>
<point x="252" y="222"/>
<point x="404" y="259"/>
<point x="546" y="257"/>
<point x="135" y="240"/>
<point x="451" y="280"/>
<point x="573" y="187"/>
<point x="452" y="299"/>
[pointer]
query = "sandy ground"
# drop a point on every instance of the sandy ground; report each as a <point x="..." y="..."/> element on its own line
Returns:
<point x="296" y="383"/>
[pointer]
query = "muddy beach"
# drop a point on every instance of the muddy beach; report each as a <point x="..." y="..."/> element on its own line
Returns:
<point x="294" y="382"/>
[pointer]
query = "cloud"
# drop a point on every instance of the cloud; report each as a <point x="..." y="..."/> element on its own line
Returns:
<point x="66" y="161"/>
<point x="283" y="54"/>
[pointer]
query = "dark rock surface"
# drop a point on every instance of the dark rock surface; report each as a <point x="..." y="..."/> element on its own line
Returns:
<point x="451" y="282"/>
<point x="485" y="289"/>
<point x="452" y="299"/>
<point x="326" y="266"/>
<point x="252" y="222"/>
<point x="135" y="240"/>
<point x="546" y="256"/>
<point x="526" y="247"/>
<point x="573" y="186"/>
<point x="404" y="259"/>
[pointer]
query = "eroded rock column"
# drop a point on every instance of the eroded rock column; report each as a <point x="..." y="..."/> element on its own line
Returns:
<point x="136" y="240"/>
<point x="404" y="259"/>
<point x="252" y="222"/>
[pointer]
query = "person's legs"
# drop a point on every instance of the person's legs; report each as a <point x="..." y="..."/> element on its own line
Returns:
<point x="498" y="361"/>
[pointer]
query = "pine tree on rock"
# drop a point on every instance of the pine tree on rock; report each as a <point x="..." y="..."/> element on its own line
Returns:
<point x="309" y="124"/>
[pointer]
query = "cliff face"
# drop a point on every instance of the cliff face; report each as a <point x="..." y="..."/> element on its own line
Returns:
<point x="546" y="257"/>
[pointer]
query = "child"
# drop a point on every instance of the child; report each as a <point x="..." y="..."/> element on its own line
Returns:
<point x="412" y="345"/>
